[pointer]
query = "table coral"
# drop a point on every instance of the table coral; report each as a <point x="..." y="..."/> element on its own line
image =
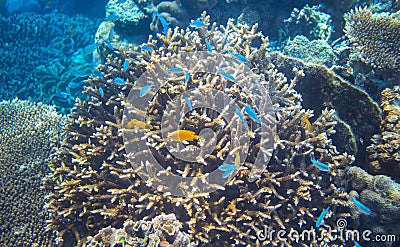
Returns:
<point x="384" y="152"/>
<point x="376" y="37"/>
<point x="95" y="186"/>
<point x="26" y="130"/>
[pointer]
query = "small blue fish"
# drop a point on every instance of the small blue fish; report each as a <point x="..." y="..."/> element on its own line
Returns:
<point x="187" y="100"/>
<point x="79" y="73"/>
<point x="126" y="65"/>
<point x="163" y="21"/>
<point x="322" y="216"/>
<point x="252" y="114"/>
<point x="73" y="85"/>
<point x="321" y="166"/>
<point x="197" y="24"/>
<point x="89" y="49"/>
<point x="239" y="112"/>
<point x="239" y="56"/>
<point x="101" y="91"/>
<point x="228" y="169"/>
<point x="187" y="76"/>
<point x="119" y="81"/>
<point x="227" y="76"/>
<point x="146" y="48"/>
<point x="112" y="17"/>
<point x="64" y="95"/>
<point x="356" y="244"/>
<point x="145" y="90"/>
<point x="109" y="45"/>
<point x="111" y="34"/>
<point x="175" y="70"/>
<point x="209" y="47"/>
<point x="360" y="206"/>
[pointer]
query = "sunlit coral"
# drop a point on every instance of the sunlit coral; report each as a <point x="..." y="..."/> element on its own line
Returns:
<point x="95" y="184"/>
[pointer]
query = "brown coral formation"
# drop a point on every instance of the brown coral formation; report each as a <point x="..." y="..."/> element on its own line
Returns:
<point x="162" y="230"/>
<point x="26" y="130"/>
<point x="376" y="36"/>
<point x="96" y="187"/>
<point x="321" y="87"/>
<point x="384" y="152"/>
<point x="382" y="196"/>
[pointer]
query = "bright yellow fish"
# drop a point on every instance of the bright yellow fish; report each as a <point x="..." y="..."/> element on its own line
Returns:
<point x="137" y="123"/>
<point x="182" y="135"/>
<point x="308" y="125"/>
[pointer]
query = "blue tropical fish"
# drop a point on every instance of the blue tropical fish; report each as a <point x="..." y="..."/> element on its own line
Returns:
<point x="73" y="85"/>
<point x="228" y="169"/>
<point x="356" y="244"/>
<point x="197" y="24"/>
<point x="252" y="114"/>
<point x="146" y="48"/>
<point x="112" y="17"/>
<point x="101" y="91"/>
<point x="163" y="21"/>
<point x="321" y="166"/>
<point x="322" y="216"/>
<point x="239" y="56"/>
<point x="187" y="76"/>
<point x="187" y="100"/>
<point x="209" y="47"/>
<point x="109" y="45"/>
<point x="360" y="206"/>
<point x="89" y="49"/>
<point x="175" y="70"/>
<point x="111" y="34"/>
<point x="227" y="76"/>
<point x="145" y="90"/>
<point x="126" y="65"/>
<point x="119" y="81"/>
<point x="239" y="112"/>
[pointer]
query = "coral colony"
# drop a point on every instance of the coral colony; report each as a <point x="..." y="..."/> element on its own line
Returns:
<point x="258" y="127"/>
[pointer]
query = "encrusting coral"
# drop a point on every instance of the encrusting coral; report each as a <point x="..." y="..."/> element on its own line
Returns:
<point x="382" y="196"/>
<point x="162" y="230"/>
<point x="384" y="152"/>
<point x="376" y="37"/>
<point x="95" y="185"/>
<point x="26" y="130"/>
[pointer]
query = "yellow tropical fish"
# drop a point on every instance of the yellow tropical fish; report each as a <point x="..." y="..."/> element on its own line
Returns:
<point x="139" y="124"/>
<point x="308" y="125"/>
<point x="182" y="135"/>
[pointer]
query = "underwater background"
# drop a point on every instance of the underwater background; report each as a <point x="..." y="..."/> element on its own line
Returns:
<point x="199" y="123"/>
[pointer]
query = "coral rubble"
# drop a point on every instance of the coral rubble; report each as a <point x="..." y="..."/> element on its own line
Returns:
<point x="26" y="130"/>
<point x="384" y="152"/>
<point x="376" y="36"/>
<point x="162" y="230"/>
<point x="95" y="184"/>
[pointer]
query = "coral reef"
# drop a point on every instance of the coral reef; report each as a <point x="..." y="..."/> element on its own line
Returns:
<point x="95" y="186"/>
<point x="124" y="11"/>
<point x="163" y="230"/>
<point x="310" y="22"/>
<point x="41" y="57"/>
<point x="384" y="152"/>
<point x="322" y="88"/>
<point x="26" y="130"/>
<point x="316" y="51"/>
<point x="376" y="37"/>
<point x="382" y="196"/>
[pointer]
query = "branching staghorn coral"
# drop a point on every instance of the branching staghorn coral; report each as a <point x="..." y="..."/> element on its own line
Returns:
<point x="96" y="186"/>
<point x="384" y="152"/>
<point x="26" y="130"/>
<point x="376" y="36"/>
